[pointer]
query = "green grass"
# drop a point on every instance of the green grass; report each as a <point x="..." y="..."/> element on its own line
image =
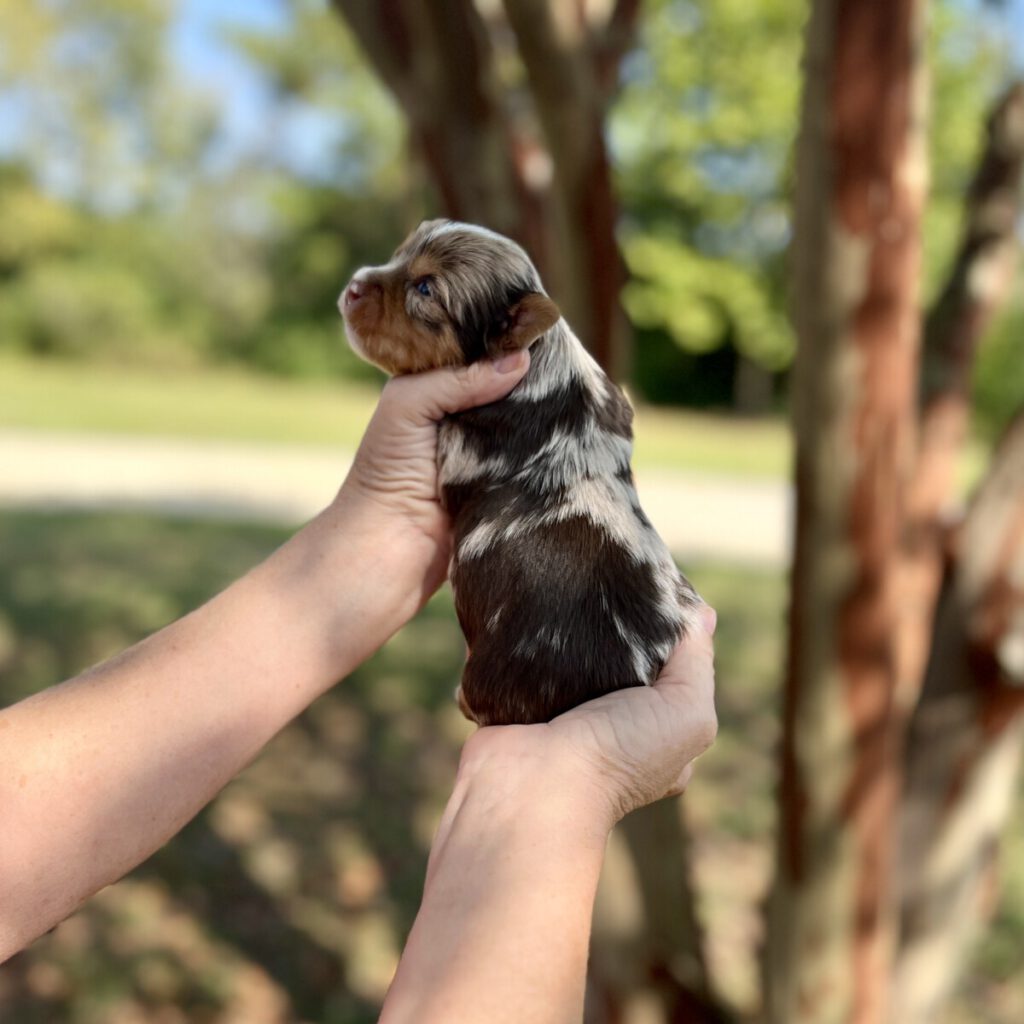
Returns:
<point x="221" y="403"/>
<point x="234" y="405"/>
<point x="237" y="405"/>
<point x="295" y="888"/>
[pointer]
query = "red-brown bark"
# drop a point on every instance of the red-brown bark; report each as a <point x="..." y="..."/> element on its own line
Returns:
<point x="544" y="178"/>
<point x="974" y="291"/>
<point x="861" y="189"/>
<point x="437" y="59"/>
<point x="571" y="80"/>
<point x="964" y="742"/>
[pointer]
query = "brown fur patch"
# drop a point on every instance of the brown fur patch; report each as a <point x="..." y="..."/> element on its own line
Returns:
<point x="390" y="336"/>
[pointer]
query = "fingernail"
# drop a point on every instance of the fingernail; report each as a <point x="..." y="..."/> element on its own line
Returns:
<point x="510" y="363"/>
<point x="709" y="617"/>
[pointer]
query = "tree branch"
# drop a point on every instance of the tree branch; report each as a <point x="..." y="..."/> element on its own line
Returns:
<point x="554" y="43"/>
<point x="438" y="61"/>
<point x="964" y="743"/>
<point x="613" y="43"/>
<point x="977" y="286"/>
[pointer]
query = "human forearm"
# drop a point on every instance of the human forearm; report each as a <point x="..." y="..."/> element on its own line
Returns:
<point x="503" y="930"/>
<point x="97" y="773"/>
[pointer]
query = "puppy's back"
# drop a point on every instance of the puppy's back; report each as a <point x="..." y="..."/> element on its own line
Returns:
<point x="563" y="588"/>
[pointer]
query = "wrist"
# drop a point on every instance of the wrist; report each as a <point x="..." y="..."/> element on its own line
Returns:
<point x="344" y="586"/>
<point x="535" y="786"/>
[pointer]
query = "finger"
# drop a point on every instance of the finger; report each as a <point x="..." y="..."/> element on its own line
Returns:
<point x="427" y="397"/>
<point x="709" y="618"/>
<point x="687" y="684"/>
<point x="682" y="782"/>
<point x="693" y="657"/>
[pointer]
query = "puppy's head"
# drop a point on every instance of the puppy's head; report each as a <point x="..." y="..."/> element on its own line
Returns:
<point x="451" y="294"/>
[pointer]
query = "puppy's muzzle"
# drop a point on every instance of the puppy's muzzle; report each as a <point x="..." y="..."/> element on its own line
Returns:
<point x="357" y="292"/>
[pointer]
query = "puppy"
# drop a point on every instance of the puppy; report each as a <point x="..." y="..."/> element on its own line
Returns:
<point x="563" y="589"/>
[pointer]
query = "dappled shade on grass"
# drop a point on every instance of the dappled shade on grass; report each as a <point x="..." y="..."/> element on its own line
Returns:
<point x="305" y="872"/>
<point x="290" y="896"/>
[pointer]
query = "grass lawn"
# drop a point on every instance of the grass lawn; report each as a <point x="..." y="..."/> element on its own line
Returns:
<point x="290" y="896"/>
<point x="231" y="404"/>
<point x="236" y="405"/>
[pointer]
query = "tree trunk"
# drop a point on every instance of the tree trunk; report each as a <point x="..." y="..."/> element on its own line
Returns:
<point x="485" y="158"/>
<point x="647" y="960"/>
<point x="862" y="176"/>
<point x="571" y="90"/>
<point x="975" y="290"/>
<point x="964" y="743"/>
<point x="437" y="59"/>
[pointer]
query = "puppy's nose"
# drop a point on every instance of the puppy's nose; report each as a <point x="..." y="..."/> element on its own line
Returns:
<point x="356" y="291"/>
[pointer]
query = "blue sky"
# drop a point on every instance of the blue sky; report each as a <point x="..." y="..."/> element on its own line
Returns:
<point x="207" y="62"/>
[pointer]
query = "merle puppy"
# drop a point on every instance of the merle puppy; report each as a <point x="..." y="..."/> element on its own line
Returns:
<point x="562" y="586"/>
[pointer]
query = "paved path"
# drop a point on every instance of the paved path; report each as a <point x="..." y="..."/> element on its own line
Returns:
<point x="699" y="515"/>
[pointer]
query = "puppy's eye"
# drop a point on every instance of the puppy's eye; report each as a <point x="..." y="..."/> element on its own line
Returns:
<point x="423" y="287"/>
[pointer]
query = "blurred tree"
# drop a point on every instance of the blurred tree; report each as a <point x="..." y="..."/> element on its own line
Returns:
<point x="964" y="744"/>
<point x="964" y="738"/>
<point x="109" y="251"/>
<point x="507" y="109"/>
<point x="100" y="117"/>
<point x="873" y="502"/>
<point x="323" y="220"/>
<point x="133" y="233"/>
<point x="977" y="285"/>
<point x="862" y="169"/>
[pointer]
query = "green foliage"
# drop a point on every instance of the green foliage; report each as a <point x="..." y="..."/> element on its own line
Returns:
<point x="999" y="374"/>
<point x="702" y="133"/>
<point x="699" y="300"/>
<point x="140" y="245"/>
<point x="36" y="225"/>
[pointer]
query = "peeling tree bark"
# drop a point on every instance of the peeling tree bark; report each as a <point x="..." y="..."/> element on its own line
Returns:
<point x="572" y="79"/>
<point x="977" y="286"/>
<point x="862" y="177"/>
<point x="647" y="958"/>
<point x="437" y="60"/>
<point x="489" y="162"/>
<point x="964" y="743"/>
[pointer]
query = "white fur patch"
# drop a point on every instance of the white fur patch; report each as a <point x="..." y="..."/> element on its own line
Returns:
<point x="559" y="361"/>
<point x="570" y="455"/>
<point x="637" y="652"/>
<point x="607" y="503"/>
<point x="479" y="539"/>
<point x="457" y="463"/>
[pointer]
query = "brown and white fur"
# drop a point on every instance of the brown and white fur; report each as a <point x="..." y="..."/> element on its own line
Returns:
<point x="563" y="588"/>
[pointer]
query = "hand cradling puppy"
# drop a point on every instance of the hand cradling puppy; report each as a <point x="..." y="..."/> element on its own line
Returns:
<point x="563" y="589"/>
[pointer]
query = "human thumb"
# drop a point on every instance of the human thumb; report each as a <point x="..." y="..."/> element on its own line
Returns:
<point x="429" y="396"/>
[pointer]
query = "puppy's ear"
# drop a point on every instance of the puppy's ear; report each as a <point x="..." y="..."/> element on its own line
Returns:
<point x="524" y="323"/>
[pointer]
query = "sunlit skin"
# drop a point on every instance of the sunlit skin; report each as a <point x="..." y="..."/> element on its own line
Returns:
<point x="98" y="772"/>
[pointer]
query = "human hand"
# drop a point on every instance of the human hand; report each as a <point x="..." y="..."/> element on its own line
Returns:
<point x="393" y="480"/>
<point x="614" y="754"/>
